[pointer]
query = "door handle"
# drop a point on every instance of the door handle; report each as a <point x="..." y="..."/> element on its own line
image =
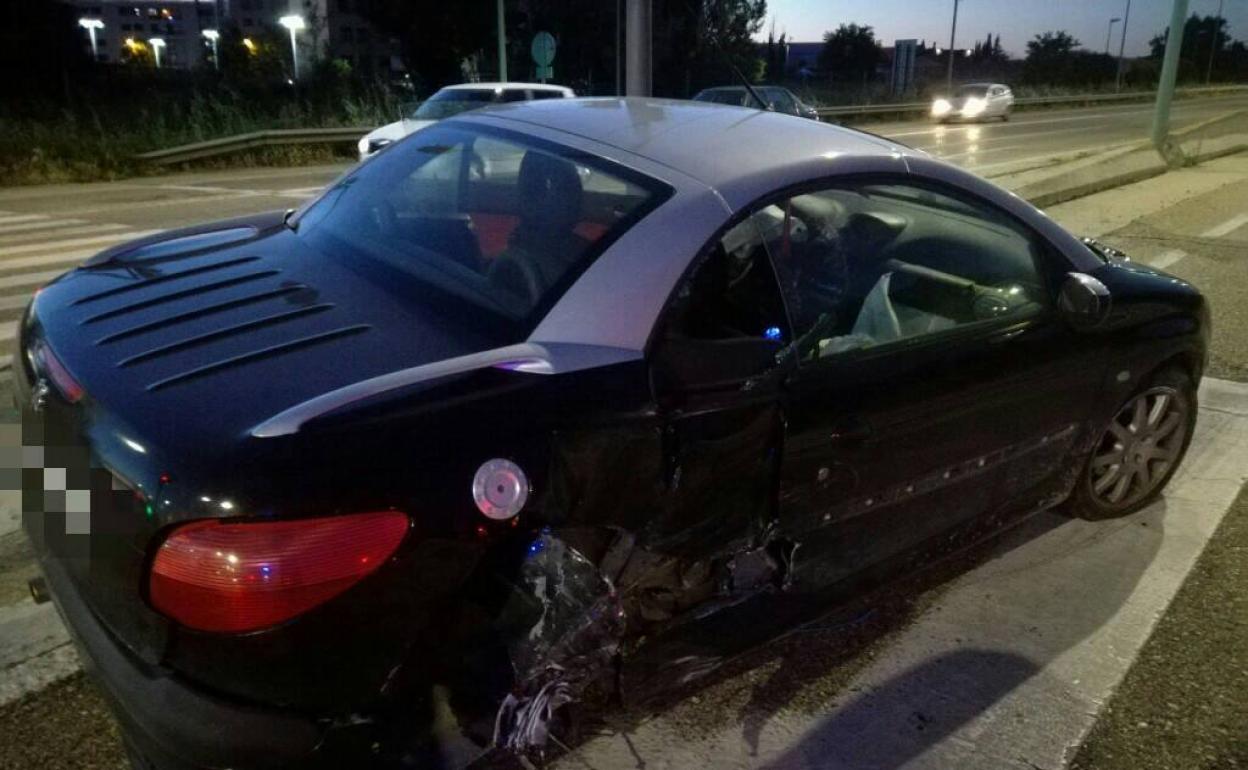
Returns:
<point x="850" y="430"/>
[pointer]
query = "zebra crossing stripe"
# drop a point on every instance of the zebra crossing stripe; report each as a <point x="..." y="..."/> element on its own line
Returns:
<point x="47" y="224"/>
<point x="47" y="246"/>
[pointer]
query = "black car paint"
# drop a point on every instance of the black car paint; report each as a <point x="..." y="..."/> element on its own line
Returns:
<point x="668" y="492"/>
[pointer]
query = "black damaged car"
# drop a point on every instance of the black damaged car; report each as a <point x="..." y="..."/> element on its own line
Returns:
<point x="561" y="403"/>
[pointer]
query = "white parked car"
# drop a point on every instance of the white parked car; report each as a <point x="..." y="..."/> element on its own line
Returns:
<point x="453" y="100"/>
<point x="974" y="101"/>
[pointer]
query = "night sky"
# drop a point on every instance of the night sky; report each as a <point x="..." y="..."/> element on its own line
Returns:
<point x="1017" y="21"/>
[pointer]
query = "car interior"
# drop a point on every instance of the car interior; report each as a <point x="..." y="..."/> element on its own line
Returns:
<point x="860" y="267"/>
<point x="495" y="220"/>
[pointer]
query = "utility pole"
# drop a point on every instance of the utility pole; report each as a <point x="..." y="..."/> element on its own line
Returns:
<point x="953" y="33"/>
<point x="502" y="43"/>
<point x="619" y="53"/>
<point x="638" y="37"/>
<point x="1169" y="73"/>
<point x="1126" y="19"/>
<point x="1110" y="32"/>
<point x="1213" y="48"/>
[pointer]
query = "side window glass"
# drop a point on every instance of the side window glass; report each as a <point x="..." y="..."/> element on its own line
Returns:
<point x="727" y="321"/>
<point x="863" y="266"/>
<point x="784" y="102"/>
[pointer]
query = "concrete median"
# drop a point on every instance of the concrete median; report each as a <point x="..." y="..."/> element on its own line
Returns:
<point x="1075" y="177"/>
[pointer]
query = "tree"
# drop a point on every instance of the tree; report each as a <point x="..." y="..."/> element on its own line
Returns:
<point x="1202" y="35"/>
<point x="1053" y="58"/>
<point x="699" y="43"/>
<point x="850" y="53"/>
<point x="1051" y="45"/>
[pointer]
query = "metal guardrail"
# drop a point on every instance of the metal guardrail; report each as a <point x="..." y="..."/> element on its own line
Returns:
<point x="897" y="108"/>
<point x="269" y="138"/>
<point x="230" y="144"/>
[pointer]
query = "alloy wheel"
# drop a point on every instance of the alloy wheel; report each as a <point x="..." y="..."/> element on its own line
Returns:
<point x="1139" y="447"/>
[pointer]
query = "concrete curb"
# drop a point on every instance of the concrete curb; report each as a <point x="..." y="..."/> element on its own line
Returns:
<point x="1124" y="165"/>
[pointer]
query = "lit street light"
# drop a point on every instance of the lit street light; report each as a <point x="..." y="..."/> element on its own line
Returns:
<point x="157" y="44"/>
<point x="212" y="35"/>
<point x="294" y="24"/>
<point x="91" y="25"/>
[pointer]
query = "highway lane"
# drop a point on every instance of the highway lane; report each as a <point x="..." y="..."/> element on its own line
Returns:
<point x="1035" y="135"/>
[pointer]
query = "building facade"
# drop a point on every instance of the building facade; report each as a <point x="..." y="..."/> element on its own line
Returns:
<point x="334" y="29"/>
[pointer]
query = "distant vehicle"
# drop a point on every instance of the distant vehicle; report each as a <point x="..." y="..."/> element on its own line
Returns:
<point x="975" y="101"/>
<point x="453" y="100"/>
<point x="778" y="99"/>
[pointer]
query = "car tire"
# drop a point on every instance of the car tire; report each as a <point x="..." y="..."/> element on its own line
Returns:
<point x="1138" y="451"/>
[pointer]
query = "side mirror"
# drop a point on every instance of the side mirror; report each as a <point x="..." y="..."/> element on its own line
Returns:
<point x="1083" y="301"/>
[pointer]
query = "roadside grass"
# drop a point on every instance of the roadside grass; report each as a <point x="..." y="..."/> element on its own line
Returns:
<point x="91" y="143"/>
<point x="1184" y="703"/>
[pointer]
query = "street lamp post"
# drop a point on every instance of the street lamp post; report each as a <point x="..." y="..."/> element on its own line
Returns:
<point x="953" y="33"/>
<point x="212" y="35"/>
<point x="157" y="44"/>
<point x="502" y="42"/>
<point x="1122" y="45"/>
<point x="293" y="23"/>
<point x="1110" y="32"/>
<point x="1213" y="46"/>
<point x="91" y="25"/>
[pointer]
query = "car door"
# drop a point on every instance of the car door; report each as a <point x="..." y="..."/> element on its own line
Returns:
<point x="935" y="390"/>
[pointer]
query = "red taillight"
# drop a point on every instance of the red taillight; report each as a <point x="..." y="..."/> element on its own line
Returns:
<point x="229" y="577"/>
<point x="52" y="366"/>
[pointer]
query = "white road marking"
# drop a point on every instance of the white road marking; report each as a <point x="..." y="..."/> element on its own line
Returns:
<point x="1167" y="258"/>
<point x="1227" y="227"/>
<point x="302" y="192"/>
<point x="13" y="239"/>
<point x="207" y="189"/>
<point x="1016" y="657"/>
<point x="25" y="280"/>
<point x="14" y="301"/>
<point x="68" y="258"/>
<point x="48" y="246"/>
<point x="44" y="224"/>
<point x="21" y="218"/>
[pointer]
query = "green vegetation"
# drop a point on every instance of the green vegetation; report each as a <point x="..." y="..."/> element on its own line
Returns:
<point x="93" y="138"/>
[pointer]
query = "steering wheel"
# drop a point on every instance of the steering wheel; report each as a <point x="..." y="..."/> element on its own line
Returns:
<point x="518" y="275"/>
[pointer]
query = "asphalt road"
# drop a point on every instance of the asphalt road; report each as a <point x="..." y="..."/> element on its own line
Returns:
<point x="1035" y="135"/>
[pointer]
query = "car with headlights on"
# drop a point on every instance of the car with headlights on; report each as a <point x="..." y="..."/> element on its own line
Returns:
<point x="974" y="101"/>
<point x="556" y="405"/>
<point x="453" y="100"/>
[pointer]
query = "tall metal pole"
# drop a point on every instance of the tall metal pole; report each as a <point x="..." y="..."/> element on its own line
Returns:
<point x="95" y="51"/>
<point x="1109" y="33"/>
<point x="619" y="54"/>
<point x="294" y="53"/>
<point x="502" y="43"/>
<point x="953" y="33"/>
<point x="638" y="39"/>
<point x="1213" y="48"/>
<point x="1169" y="73"/>
<point x="1126" y="19"/>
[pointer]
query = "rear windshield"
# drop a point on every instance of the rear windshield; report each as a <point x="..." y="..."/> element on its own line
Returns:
<point x="731" y="96"/>
<point x="978" y="91"/>
<point x="493" y="225"/>
<point x="449" y="102"/>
